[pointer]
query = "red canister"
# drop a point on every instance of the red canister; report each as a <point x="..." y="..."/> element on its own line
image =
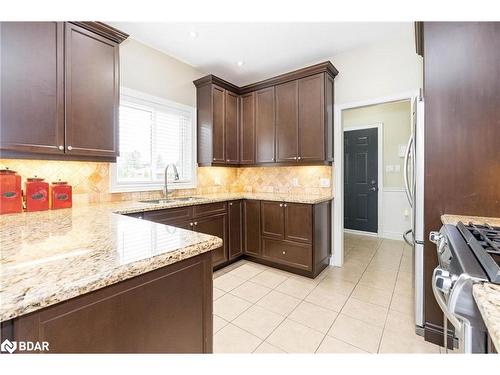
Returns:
<point x="11" y="198"/>
<point x="37" y="194"/>
<point x="60" y="195"/>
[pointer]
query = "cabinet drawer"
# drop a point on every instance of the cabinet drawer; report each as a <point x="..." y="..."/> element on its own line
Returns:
<point x="170" y="215"/>
<point x="209" y="209"/>
<point x="288" y="253"/>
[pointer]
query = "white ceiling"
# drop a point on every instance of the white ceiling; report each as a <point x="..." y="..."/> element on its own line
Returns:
<point x="267" y="49"/>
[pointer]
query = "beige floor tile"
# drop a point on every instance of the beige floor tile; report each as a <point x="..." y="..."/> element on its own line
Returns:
<point x="228" y="282"/>
<point x="250" y="291"/>
<point x="399" y="322"/>
<point x="379" y="282"/>
<point x="313" y="316"/>
<point x="219" y="323"/>
<point x="217" y="293"/>
<point x="295" y="338"/>
<point x="365" y="293"/>
<point x="403" y="303"/>
<point x="295" y="287"/>
<point x="246" y="271"/>
<point x="219" y="273"/>
<point x="232" y="339"/>
<point x="366" y="312"/>
<point x="328" y="299"/>
<point x="333" y="345"/>
<point x="266" y="348"/>
<point x="229" y="306"/>
<point x="397" y="342"/>
<point x="278" y="302"/>
<point x="355" y="332"/>
<point x="337" y="285"/>
<point x="269" y="278"/>
<point x="258" y="321"/>
<point x="339" y="273"/>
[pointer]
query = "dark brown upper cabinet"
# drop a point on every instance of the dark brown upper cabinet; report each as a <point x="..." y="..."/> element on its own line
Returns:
<point x="247" y="128"/>
<point x="32" y="83"/>
<point x="63" y="85"/>
<point x="231" y="127"/>
<point x="265" y="132"/>
<point x="219" y="140"/>
<point x="287" y="119"/>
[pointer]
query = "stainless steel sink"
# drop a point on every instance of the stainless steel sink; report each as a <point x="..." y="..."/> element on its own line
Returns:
<point x="169" y="200"/>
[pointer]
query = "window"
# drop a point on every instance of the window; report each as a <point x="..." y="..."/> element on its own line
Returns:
<point x="153" y="133"/>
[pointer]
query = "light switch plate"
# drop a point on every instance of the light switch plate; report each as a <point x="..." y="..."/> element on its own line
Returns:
<point x="397" y="168"/>
<point x="324" y="182"/>
<point x="389" y="168"/>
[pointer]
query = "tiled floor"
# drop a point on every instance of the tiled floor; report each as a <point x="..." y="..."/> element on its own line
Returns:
<point x="365" y="306"/>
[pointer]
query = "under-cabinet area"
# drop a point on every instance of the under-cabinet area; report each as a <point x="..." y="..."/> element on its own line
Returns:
<point x="286" y="235"/>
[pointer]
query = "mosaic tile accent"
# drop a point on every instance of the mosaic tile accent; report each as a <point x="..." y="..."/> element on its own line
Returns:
<point x="90" y="180"/>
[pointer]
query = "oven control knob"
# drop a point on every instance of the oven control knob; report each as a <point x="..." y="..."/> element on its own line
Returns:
<point x="435" y="237"/>
<point x="444" y="283"/>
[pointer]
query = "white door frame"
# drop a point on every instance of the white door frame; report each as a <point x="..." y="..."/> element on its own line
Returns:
<point x="380" y="184"/>
<point x="338" y="171"/>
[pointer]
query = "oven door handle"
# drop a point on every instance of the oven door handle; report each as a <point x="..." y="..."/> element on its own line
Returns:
<point x="442" y="302"/>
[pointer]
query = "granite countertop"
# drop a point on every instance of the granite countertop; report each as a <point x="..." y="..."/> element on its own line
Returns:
<point x="51" y="256"/>
<point x="128" y="207"/>
<point x="487" y="297"/>
<point x="454" y="219"/>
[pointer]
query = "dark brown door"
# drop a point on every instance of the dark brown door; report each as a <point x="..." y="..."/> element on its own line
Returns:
<point x="312" y="118"/>
<point x="298" y="222"/>
<point x="360" y="180"/>
<point x="32" y="86"/>
<point x="92" y="93"/>
<point x="231" y="127"/>
<point x="247" y="129"/>
<point x="235" y="229"/>
<point x="216" y="226"/>
<point x="218" y="115"/>
<point x="264" y="126"/>
<point x="287" y="122"/>
<point x="251" y="227"/>
<point x="273" y="223"/>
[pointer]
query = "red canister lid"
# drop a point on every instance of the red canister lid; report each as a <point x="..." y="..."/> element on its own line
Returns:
<point x="59" y="183"/>
<point x="34" y="179"/>
<point x="7" y="171"/>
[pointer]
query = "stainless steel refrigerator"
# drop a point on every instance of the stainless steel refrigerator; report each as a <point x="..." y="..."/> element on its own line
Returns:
<point x="414" y="187"/>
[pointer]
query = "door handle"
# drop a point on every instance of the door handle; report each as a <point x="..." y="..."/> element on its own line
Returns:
<point x="405" y="172"/>
<point x="373" y="188"/>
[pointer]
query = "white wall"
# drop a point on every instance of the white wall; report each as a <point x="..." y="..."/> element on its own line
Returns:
<point x="148" y="70"/>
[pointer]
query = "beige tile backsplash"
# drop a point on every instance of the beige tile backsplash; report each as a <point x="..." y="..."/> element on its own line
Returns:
<point x="90" y="180"/>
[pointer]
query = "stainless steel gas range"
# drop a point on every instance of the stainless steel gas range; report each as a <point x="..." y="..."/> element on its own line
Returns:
<point x="467" y="254"/>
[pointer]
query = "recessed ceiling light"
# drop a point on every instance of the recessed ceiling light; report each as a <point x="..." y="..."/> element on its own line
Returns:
<point x="240" y="63"/>
<point x="193" y="34"/>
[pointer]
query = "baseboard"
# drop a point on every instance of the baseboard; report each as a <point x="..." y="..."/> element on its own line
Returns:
<point x="361" y="233"/>
<point x="434" y="334"/>
<point x="392" y="236"/>
<point x="387" y="235"/>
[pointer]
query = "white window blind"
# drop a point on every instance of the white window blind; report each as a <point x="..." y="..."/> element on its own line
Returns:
<point x="153" y="133"/>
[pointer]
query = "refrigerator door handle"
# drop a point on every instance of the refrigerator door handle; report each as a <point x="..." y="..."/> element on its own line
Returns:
<point x="406" y="170"/>
<point x="411" y="241"/>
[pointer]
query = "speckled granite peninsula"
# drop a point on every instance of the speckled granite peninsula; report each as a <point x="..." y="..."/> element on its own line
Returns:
<point x="487" y="297"/>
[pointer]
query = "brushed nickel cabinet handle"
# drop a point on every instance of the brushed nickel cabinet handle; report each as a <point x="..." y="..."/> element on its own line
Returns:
<point x="195" y="223"/>
<point x="70" y="148"/>
<point x="191" y="224"/>
<point x="284" y="252"/>
<point x="299" y="158"/>
<point x="230" y="203"/>
<point x="281" y="204"/>
<point x="285" y="204"/>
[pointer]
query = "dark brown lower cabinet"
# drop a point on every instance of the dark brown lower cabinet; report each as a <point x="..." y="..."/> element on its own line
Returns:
<point x="291" y="236"/>
<point x="235" y="209"/>
<point x="251" y="227"/>
<point x="168" y="310"/>
<point x="215" y="225"/>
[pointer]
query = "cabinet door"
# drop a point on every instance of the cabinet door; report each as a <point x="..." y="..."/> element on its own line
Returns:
<point x="247" y="129"/>
<point x="298" y="222"/>
<point x="235" y="217"/>
<point x="251" y="227"/>
<point x="292" y="254"/>
<point x="92" y="93"/>
<point x="231" y="127"/>
<point x="287" y="122"/>
<point x="218" y="141"/>
<point x="216" y="226"/>
<point x="273" y="223"/>
<point x="264" y="126"/>
<point x="32" y="83"/>
<point x="312" y="118"/>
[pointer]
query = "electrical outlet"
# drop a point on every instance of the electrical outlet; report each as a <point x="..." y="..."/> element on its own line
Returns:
<point x="324" y="182"/>
<point x="217" y="181"/>
<point x="295" y="182"/>
<point x="389" y="168"/>
<point x="397" y="168"/>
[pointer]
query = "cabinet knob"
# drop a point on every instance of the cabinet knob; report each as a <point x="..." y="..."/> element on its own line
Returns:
<point x="272" y="159"/>
<point x="230" y="203"/>
<point x="294" y="158"/>
<point x="284" y="252"/>
<point x="227" y="160"/>
<point x="61" y="147"/>
<point x="195" y="223"/>
<point x="70" y="148"/>
<point x="285" y="204"/>
<point x="213" y="159"/>
<point x="281" y="204"/>
<point x="299" y="158"/>
<point x="191" y="224"/>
